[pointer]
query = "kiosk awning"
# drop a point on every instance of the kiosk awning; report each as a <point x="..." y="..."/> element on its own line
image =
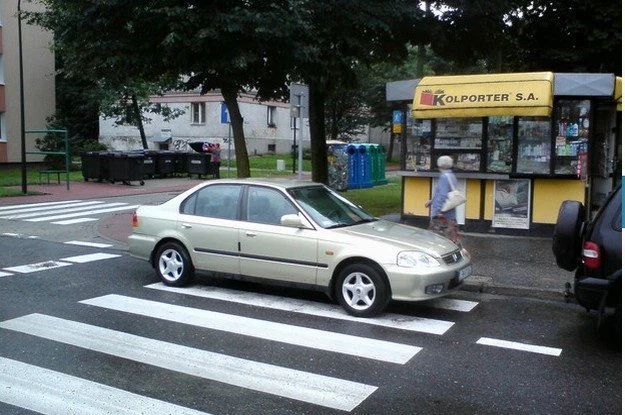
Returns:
<point x="618" y="93"/>
<point x="529" y="94"/>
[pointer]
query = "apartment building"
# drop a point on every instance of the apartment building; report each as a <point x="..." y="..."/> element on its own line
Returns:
<point x="268" y="125"/>
<point x="39" y="83"/>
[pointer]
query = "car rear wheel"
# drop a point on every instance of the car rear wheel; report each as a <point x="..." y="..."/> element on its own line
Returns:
<point x="567" y="235"/>
<point x="362" y="291"/>
<point x="173" y="265"/>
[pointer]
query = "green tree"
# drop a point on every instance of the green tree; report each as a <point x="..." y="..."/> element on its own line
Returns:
<point x="233" y="47"/>
<point x="331" y="40"/>
<point x="518" y="35"/>
<point x="110" y="47"/>
<point x="567" y="36"/>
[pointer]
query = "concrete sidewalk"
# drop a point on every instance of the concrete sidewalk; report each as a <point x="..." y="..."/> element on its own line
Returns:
<point x="502" y="264"/>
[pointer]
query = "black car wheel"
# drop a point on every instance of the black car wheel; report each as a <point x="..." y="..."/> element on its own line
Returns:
<point x="362" y="291"/>
<point x="567" y="235"/>
<point x="173" y="265"/>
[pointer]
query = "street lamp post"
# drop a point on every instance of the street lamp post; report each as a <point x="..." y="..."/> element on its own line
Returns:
<point x="22" y="122"/>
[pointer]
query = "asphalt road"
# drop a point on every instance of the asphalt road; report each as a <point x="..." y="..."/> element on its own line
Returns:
<point x="91" y="326"/>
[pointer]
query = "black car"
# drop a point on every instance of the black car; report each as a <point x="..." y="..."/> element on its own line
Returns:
<point x="593" y="250"/>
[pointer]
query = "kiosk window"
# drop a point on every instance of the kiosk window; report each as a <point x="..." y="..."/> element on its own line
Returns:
<point x="461" y="138"/>
<point x="572" y="126"/>
<point x="534" y="149"/>
<point x="458" y="134"/>
<point x="500" y="135"/>
<point x="419" y="156"/>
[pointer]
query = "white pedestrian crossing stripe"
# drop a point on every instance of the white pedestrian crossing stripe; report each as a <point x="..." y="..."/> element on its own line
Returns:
<point x="62" y="213"/>
<point x="83" y="259"/>
<point x="88" y="212"/>
<point x="396" y="321"/>
<point x="39" y="266"/>
<point x="74" y="221"/>
<point x="91" y="244"/>
<point x="550" y="351"/>
<point x="63" y="262"/>
<point x="49" y="392"/>
<point x="32" y="205"/>
<point x="262" y="377"/>
<point x="27" y="212"/>
<point x="300" y="336"/>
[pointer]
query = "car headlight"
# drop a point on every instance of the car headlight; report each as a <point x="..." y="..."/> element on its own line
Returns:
<point x="415" y="259"/>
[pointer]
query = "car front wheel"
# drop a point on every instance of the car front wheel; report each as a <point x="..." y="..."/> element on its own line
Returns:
<point x="361" y="290"/>
<point x="173" y="265"/>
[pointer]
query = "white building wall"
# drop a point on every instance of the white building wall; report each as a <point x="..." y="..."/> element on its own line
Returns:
<point x="260" y="137"/>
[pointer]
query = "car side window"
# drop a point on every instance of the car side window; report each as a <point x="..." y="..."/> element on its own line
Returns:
<point x="188" y="206"/>
<point x="216" y="201"/>
<point x="265" y="205"/>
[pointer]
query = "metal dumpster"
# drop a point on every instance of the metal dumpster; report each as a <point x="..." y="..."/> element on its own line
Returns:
<point x="126" y="167"/>
<point x="202" y="165"/>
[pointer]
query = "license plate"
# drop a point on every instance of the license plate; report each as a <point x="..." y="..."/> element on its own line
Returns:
<point x="464" y="272"/>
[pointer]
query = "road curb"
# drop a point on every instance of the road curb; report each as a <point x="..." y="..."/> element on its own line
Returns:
<point x="547" y="294"/>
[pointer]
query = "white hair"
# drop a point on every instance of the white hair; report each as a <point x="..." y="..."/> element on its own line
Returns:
<point x="445" y="162"/>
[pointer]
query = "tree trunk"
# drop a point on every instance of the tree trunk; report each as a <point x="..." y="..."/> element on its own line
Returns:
<point x="139" y="119"/>
<point x="236" y="120"/>
<point x="318" y="147"/>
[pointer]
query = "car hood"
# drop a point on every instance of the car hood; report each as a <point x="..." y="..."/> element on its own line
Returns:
<point x="403" y="236"/>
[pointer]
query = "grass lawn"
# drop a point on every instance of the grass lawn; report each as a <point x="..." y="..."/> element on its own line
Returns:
<point x="378" y="200"/>
<point x="11" y="181"/>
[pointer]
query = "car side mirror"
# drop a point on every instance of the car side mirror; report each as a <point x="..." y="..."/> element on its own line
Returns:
<point x="294" y="221"/>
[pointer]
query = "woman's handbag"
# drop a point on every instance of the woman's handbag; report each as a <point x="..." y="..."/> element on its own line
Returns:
<point x="454" y="198"/>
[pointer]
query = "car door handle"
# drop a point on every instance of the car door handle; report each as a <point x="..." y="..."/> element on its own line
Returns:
<point x="250" y="234"/>
<point x="186" y="226"/>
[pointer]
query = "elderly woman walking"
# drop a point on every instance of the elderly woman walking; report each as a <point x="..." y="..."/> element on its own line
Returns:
<point x="444" y="222"/>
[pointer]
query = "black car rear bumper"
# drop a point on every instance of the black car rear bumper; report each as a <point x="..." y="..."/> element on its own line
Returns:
<point x="598" y="293"/>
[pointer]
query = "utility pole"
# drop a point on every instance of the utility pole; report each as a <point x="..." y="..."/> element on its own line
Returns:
<point x="22" y="122"/>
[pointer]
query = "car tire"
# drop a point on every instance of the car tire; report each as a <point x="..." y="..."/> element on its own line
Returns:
<point x="361" y="290"/>
<point x="173" y="265"/>
<point x="567" y="234"/>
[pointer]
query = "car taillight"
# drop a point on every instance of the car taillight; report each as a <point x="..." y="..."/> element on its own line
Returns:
<point x="135" y="219"/>
<point x="592" y="255"/>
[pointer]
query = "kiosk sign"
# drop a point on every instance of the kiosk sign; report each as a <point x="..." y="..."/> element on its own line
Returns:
<point x="529" y="94"/>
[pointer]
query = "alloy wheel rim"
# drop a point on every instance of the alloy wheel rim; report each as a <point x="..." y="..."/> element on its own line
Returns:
<point x="171" y="265"/>
<point x="358" y="291"/>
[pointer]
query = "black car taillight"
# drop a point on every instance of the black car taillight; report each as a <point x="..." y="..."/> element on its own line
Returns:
<point x="591" y="255"/>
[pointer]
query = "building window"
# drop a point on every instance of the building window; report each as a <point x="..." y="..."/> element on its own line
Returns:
<point x="271" y="116"/>
<point x="198" y="112"/>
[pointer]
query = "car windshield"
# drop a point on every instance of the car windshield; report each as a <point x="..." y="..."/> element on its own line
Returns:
<point x="328" y="208"/>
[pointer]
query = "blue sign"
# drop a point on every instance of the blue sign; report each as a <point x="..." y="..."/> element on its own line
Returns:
<point x="225" y="117"/>
<point x="398" y="117"/>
